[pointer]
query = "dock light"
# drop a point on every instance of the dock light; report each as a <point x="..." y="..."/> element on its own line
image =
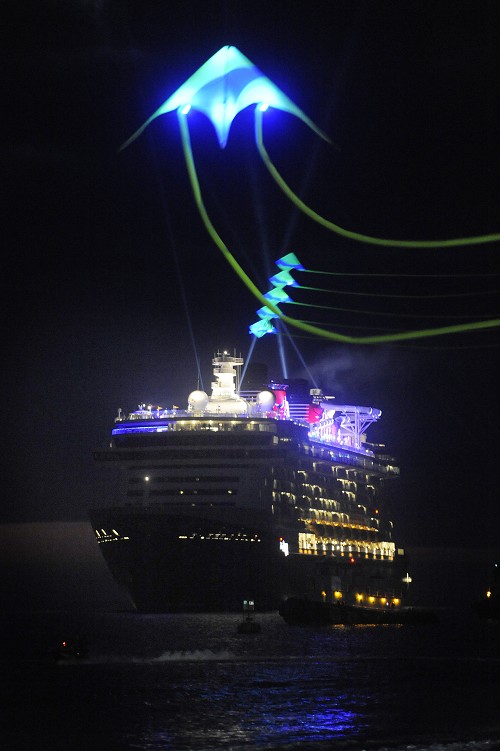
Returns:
<point x="371" y="599"/>
<point x="488" y="593"/>
<point x="359" y="597"/>
<point x="396" y="601"/>
<point x="146" y="479"/>
<point x="337" y="595"/>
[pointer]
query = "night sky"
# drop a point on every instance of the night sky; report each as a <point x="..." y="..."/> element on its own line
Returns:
<point x="111" y="282"/>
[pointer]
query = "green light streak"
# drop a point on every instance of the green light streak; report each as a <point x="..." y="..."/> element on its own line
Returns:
<point x="376" y="312"/>
<point x="302" y="325"/>
<point x="404" y="297"/>
<point x="479" y="240"/>
<point x="195" y="185"/>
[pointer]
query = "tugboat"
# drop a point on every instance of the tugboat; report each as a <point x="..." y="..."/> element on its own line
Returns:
<point x="300" y="611"/>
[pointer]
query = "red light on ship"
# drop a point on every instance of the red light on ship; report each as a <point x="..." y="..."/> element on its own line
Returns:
<point x="314" y="413"/>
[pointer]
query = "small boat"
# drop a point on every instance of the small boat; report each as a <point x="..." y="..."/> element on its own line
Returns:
<point x="248" y="625"/>
<point x="72" y="649"/>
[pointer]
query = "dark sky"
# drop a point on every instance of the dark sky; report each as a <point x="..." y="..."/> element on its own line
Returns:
<point x="106" y="260"/>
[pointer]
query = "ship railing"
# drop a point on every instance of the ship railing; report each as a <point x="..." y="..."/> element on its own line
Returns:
<point x="353" y="457"/>
<point x="156" y="414"/>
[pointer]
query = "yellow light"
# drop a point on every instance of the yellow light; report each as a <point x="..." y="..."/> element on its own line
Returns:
<point x="488" y="593"/>
<point x="371" y="599"/>
<point x="383" y="600"/>
<point x="359" y="597"/>
<point x="395" y="601"/>
<point x="337" y="595"/>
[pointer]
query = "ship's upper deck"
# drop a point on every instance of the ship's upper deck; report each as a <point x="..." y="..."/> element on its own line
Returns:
<point x="316" y="421"/>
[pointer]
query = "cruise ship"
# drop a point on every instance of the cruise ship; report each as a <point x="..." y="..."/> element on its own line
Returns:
<point x="266" y="494"/>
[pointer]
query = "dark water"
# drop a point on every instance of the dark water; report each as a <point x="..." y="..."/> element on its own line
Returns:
<point x="192" y="682"/>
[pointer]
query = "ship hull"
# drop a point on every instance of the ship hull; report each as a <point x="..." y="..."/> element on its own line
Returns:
<point x="191" y="564"/>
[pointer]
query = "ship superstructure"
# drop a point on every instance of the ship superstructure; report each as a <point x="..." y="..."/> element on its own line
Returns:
<point x="249" y="495"/>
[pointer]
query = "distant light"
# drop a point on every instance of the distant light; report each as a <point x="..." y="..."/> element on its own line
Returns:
<point x="488" y="593"/>
<point x="146" y="479"/>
